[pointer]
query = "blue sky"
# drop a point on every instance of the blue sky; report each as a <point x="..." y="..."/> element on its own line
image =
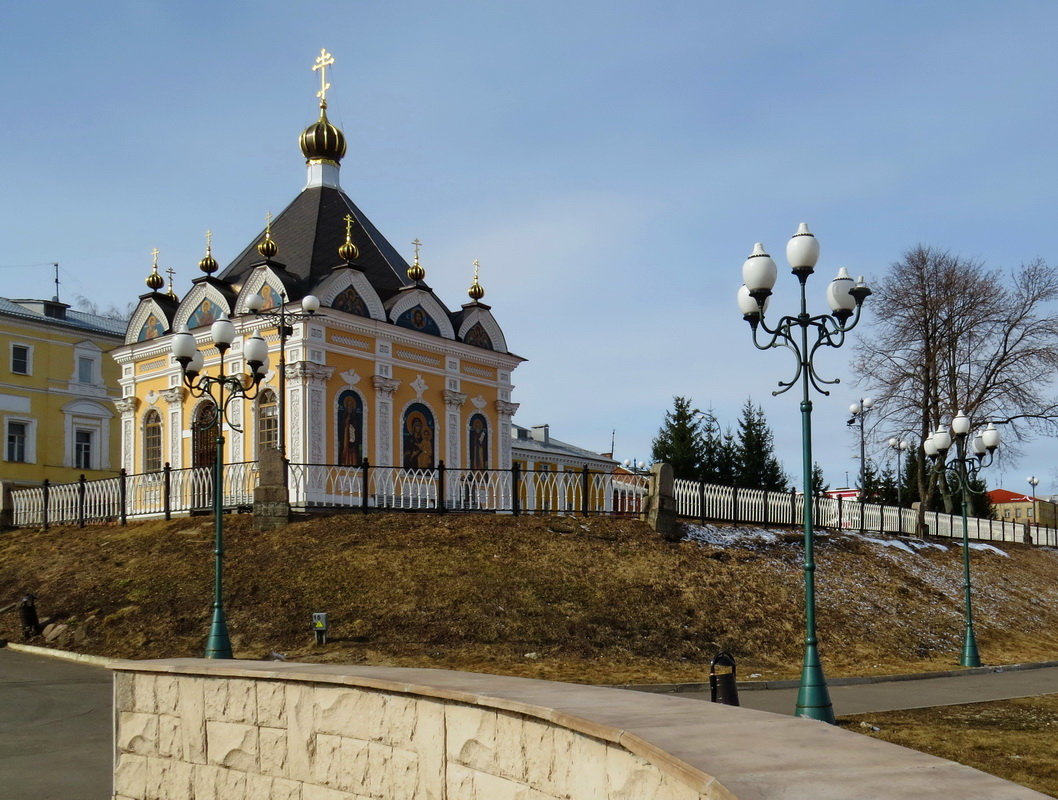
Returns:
<point x="610" y="164"/>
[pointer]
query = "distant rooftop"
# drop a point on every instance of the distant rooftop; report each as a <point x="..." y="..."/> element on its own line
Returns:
<point x="539" y="439"/>
<point x="60" y="314"/>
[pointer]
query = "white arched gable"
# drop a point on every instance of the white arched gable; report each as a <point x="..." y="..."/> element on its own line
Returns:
<point x="409" y="300"/>
<point x="146" y="308"/>
<point x="254" y="284"/>
<point x="473" y="316"/>
<point x="340" y="280"/>
<point x="193" y="299"/>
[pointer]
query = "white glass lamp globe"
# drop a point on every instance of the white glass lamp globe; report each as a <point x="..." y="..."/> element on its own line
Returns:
<point x="802" y="251"/>
<point x="310" y="304"/>
<point x="942" y="439"/>
<point x="255" y="302"/>
<point x="961" y="424"/>
<point x="838" y="296"/>
<point x="990" y="437"/>
<point x="759" y="271"/>
<point x="222" y="331"/>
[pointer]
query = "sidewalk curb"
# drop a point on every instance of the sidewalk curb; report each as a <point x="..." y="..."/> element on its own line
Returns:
<point x="65" y="655"/>
<point x="749" y="686"/>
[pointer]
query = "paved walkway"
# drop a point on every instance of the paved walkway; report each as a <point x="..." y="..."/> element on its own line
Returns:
<point x="55" y="729"/>
<point x="892" y="695"/>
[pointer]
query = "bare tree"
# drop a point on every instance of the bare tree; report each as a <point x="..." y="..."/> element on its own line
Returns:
<point x="947" y="334"/>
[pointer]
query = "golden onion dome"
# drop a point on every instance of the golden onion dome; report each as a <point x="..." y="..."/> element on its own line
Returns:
<point x="208" y="264"/>
<point x="476" y="290"/>
<point x="348" y="251"/>
<point x="267" y="248"/>
<point x="323" y="141"/>
<point x="154" y="280"/>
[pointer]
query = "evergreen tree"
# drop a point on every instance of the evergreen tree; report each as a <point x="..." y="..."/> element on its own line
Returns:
<point x="886" y="487"/>
<point x="819" y="483"/>
<point x="679" y="442"/>
<point x="758" y="466"/>
<point x="719" y="460"/>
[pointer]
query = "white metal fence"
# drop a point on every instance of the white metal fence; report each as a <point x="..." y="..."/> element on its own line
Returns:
<point x="708" y="502"/>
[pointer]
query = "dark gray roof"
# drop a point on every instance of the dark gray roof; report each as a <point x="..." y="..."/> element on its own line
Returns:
<point x="522" y="438"/>
<point x="78" y="320"/>
<point x="308" y="233"/>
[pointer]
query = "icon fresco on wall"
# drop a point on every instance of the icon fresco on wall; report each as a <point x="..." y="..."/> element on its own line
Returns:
<point x="478" y="443"/>
<point x="477" y="337"/>
<point x="350" y="429"/>
<point x="270" y="297"/>
<point x="418" y="437"/>
<point x="350" y="301"/>
<point x="152" y="328"/>
<point x="206" y="314"/>
<point x="416" y="319"/>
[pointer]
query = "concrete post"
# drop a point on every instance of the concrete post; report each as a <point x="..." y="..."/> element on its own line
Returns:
<point x="271" y="502"/>
<point x="661" y="503"/>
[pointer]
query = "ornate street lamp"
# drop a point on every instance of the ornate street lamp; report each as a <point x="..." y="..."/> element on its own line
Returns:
<point x="961" y="471"/>
<point x="792" y="332"/>
<point x="222" y="390"/>
<point x="859" y="412"/>
<point x="1033" y="483"/>
<point x="283" y="318"/>
<point x="900" y="447"/>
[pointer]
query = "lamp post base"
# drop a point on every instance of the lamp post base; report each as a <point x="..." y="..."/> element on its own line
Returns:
<point x="970" y="657"/>
<point x="813" y="697"/>
<point x="218" y="645"/>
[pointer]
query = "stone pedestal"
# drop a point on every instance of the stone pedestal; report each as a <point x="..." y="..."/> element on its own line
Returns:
<point x="271" y="502"/>
<point x="661" y="504"/>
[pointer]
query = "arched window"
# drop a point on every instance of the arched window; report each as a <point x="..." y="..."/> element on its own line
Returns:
<point x="350" y="441"/>
<point x="267" y="421"/>
<point x="152" y="441"/>
<point x="418" y="437"/>
<point x="478" y="442"/>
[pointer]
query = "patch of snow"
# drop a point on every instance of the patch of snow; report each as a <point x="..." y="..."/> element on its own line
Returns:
<point x="922" y="544"/>
<point x="899" y="544"/>
<point x="988" y="548"/>
<point x="730" y="536"/>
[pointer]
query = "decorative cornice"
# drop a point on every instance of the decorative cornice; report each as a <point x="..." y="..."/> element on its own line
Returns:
<point x="504" y="408"/>
<point x="126" y="405"/>
<point x="308" y="372"/>
<point x="454" y="399"/>
<point x="174" y="395"/>
<point x="384" y="386"/>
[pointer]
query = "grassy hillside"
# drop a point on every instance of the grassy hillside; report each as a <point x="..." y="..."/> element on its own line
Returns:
<point x="596" y="600"/>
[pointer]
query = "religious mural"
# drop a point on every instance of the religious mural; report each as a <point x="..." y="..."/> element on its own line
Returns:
<point x="418" y="437"/>
<point x="350" y="301"/>
<point x="417" y="319"/>
<point x="270" y="297"/>
<point x="350" y="429"/>
<point x="478" y="442"/>
<point x="152" y="329"/>
<point x="477" y="337"/>
<point x="206" y="314"/>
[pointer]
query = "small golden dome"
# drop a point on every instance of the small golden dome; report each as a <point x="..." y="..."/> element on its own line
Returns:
<point x="154" y="280"/>
<point x="416" y="271"/>
<point x="476" y="290"/>
<point x="322" y="140"/>
<point x="208" y="264"/>
<point x="348" y="251"/>
<point x="266" y="247"/>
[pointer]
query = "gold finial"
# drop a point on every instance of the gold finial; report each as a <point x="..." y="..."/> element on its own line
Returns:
<point x="347" y="250"/>
<point x="171" y="272"/>
<point x="324" y="60"/>
<point x="267" y="247"/>
<point x="476" y="290"/>
<point x="208" y="264"/>
<point x="154" y="280"/>
<point x="415" y="271"/>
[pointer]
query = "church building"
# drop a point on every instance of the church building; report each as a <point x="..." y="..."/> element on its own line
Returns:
<point x="382" y="371"/>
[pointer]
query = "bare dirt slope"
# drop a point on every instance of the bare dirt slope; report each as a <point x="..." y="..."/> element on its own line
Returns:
<point x="594" y="600"/>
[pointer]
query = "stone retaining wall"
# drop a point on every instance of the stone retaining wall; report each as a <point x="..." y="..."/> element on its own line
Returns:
<point x="244" y="730"/>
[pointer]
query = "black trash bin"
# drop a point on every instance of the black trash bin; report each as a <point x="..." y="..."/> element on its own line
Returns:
<point x="27" y="615"/>
<point x="723" y="687"/>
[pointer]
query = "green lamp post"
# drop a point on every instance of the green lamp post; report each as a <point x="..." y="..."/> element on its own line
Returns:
<point x="803" y="334"/>
<point x="222" y="390"/>
<point x="961" y="471"/>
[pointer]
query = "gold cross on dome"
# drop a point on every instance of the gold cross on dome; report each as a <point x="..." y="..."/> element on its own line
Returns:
<point x="348" y="225"/>
<point x="170" y="272"/>
<point x="209" y="241"/>
<point x="324" y="60"/>
<point x="477" y="266"/>
<point x="268" y="223"/>
<point x="154" y="255"/>
<point x="417" y="244"/>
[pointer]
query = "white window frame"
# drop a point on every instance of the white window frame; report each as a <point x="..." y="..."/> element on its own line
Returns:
<point x="87" y="415"/>
<point x="91" y="352"/>
<point x="31" y="439"/>
<point x="29" y="358"/>
<point x="92" y="449"/>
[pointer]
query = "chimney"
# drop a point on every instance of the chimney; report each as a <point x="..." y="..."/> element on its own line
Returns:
<point x="542" y="433"/>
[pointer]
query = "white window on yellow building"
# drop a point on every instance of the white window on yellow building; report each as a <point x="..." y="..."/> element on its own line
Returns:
<point x="152" y="441"/>
<point x="20" y="445"/>
<point x="267" y="421"/>
<point x="82" y="454"/>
